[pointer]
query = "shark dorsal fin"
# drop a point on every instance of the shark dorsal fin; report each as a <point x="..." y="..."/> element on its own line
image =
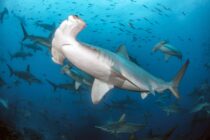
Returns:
<point x="28" y="68"/>
<point x="122" y="51"/>
<point x="122" y="118"/>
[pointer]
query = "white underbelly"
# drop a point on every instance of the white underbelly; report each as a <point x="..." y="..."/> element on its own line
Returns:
<point x="88" y="61"/>
<point x="96" y="65"/>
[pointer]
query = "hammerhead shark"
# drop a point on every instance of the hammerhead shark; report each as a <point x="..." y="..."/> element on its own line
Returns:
<point x="25" y="75"/>
<point x="121" y="126"/>
<point x="108" y="68"/>
<point x="168" y="50"/>
<point x="45" y="41"/>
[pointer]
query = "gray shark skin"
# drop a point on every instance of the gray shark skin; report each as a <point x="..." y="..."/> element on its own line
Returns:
<point x="65" y="86"/>
<point x="2" y="14"/>
<point x="37" y="39"/>
<point x="49" y="27"/>
<point x="24" y="75"/>
<point x="32" y="46"/>
<point x="109" y="69"/>
<point x="168" y="50"/>
<point x="79" y="76"/>
<point x="121" y="126"/>
<point x="20" y="54"/>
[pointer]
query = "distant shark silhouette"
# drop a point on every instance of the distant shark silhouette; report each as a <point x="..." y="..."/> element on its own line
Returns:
<point x="121" y="126"/>
<point x="109" y="69"/>
<point x="25" y="75"/>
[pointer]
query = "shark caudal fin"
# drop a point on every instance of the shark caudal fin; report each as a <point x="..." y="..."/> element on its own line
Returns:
<point x="175" y="82"/>
<point x="26" y="35"/>
<point x="10" y="70"/>
<point x="52" y="84"/>
<point x="65" y="35"/>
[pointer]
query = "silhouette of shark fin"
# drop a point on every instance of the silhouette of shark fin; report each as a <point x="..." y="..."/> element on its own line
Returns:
<point x="99" y="89"/>
<point x="173" y="86"/>
<point x="122" y="51"/>
<point x="144" y="95"/>
<point x="77" y="85"/>
<point x="122" y="118"/>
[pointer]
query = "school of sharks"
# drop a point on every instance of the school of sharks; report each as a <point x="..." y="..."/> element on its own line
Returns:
<point x="108" y="70"/>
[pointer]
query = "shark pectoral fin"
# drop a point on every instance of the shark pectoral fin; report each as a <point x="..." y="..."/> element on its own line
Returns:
<point x="122" y="118"/>
<point x="99" y="89"/>
<point x="166" y="57"/>
<point x="144" y="95"/>
<point x="77" y="85"/>
<point x="122" y="51"/>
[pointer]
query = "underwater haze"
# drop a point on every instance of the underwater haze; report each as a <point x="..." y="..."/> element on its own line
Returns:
<point x="158" y="86"/>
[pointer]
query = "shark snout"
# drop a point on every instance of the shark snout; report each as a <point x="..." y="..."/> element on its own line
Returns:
<point x="76" y="20"/>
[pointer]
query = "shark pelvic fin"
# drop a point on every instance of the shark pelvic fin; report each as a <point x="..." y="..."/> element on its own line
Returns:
<point x="122" y="51"/>
<point x="144" y="95"/>
<point x="77" y="85"/>
<point x="99" y="89"/>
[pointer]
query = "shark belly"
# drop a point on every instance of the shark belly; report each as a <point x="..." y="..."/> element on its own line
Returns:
<point x="97" y="64"/>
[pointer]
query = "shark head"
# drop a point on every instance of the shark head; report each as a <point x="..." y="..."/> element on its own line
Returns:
<point x="65" y="35"/>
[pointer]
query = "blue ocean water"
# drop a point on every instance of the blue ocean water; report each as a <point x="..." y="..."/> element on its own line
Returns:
<point x="39" y="106"/>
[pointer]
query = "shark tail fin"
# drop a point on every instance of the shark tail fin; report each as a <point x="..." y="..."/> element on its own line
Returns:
<point x="25" y="33"/>
<point x="10" y="69"/>
<point x="52" y="84"/>
<point x="175" y="82"/>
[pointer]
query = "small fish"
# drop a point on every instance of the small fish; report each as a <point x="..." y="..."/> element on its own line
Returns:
<point x="145" y="6"/>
